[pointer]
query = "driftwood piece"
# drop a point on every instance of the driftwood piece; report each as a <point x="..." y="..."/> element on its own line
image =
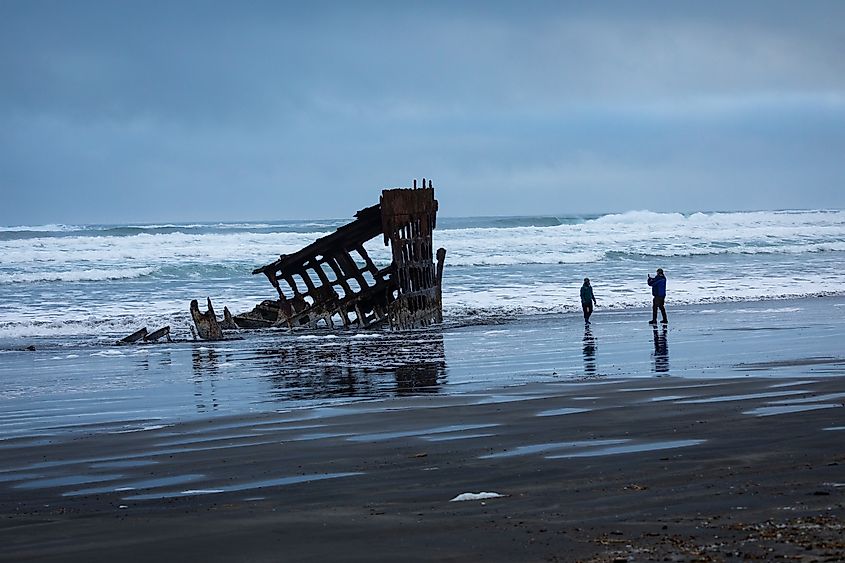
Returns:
<point x="158" y="334"/>
<point x="207" y="326"/>
<point x="134" y="337"/>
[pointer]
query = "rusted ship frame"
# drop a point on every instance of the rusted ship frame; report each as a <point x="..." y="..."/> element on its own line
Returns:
<point x="333" y="282"/>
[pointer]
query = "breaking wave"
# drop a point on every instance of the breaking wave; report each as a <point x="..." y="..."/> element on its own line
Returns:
<point x="109" y="277"/>
<point x="75" y="275"/>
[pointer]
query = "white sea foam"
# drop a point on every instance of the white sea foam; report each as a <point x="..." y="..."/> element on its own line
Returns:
<point x="634" y="233"/>
<point x="54" y="228"/>
<point x="648" y="234"/>
<point x="475" y="496"/>
<point x="317" y="336"/>
<point x="146" y="428"/>
<point x="145" y="249"/>
<point x="75" y="275"/>
<point x="82" y="282"/>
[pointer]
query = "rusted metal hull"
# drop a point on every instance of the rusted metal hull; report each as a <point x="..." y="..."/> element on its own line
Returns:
<point x="334" y="283"/>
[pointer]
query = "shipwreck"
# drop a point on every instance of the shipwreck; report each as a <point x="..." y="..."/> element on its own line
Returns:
<point x="333" y="282"/>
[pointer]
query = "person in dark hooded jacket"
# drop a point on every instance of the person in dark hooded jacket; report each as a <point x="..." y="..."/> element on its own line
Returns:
<point x="587" y="299"/>
<point x="658" y="292"/>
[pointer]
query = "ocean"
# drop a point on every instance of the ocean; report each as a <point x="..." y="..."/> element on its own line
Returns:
<point x="90" y="284"/>
<point x="511" y="314"/>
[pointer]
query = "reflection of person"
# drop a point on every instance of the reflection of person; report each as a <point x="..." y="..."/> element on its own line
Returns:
<point x="589" y="351"/>
<point x="587" y="299"/>
<point x="658" y="292"/>
<point x="661" y="350"/>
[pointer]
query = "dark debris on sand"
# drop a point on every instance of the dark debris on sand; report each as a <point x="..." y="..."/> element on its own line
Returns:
<point x="804" y="539"/>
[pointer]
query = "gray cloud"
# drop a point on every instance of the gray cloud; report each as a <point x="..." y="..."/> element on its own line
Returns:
<point x="131" y="111"/>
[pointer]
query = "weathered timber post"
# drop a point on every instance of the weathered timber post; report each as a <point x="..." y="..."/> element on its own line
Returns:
<point x="158" y="334"/>
<point x="441" y="259"/>
<point x="228" y="321"/>
<point x="408" y="218"/>
<point x="134" y="337"/>
<point x="207" y="326"/>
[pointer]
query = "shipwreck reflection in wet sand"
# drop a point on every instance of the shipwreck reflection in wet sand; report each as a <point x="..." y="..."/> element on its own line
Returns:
<point x="206" y="364"/>
<point x="362" y="364"/>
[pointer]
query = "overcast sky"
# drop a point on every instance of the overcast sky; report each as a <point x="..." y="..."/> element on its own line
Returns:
<point x="150" y="111"/>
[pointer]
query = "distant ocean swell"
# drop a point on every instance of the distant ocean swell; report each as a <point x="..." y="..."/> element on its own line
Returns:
<point x="112" y="277"/>
<point x="75" y="275"/>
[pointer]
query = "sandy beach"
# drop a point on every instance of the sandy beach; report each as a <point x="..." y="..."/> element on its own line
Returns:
<point x="716" y="439"/>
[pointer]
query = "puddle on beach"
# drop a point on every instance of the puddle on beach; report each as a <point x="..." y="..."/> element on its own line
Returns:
<point x="796" y="363"/>
<point x="178" y="450"/>
<point x="190" y="441"/>
<point x="43" y="425"/>
<point x="630" y="448"/>
<point x="541" y="448"/>
<point x="134" y="485"/>
<point x="141" y="429"/>
<point x="835" y="428"/>
<point x="138" y="459"/>
<point x="562" y="411"/>
<point x="450" y="437"/>
<point x="275" y="427"/>
<point x="814" y="399"/>
<point x="759" y="328"/>
<point x="665" y="398"/>
<point x="352" y="409"/>
<point x="11" y="476"/>
<point x="495" y="399"/>
<point x="252" y="426"/>
<point x="107" y="426"/>
<point x="18" y="442"/>
<point x="318" y="436"/>
<point x="50" y="464"/>
<point x="382" y="436"/>
<point x="788" y="409"/>
<point x="123" y="464"/>
<point x="747" y="396"/>
<point x="67" y="480"/>
<point x="243" y="486"/>
<point x="583" y="382"/>
<point x="669" y="387"/>
<point x="792" y="384"/>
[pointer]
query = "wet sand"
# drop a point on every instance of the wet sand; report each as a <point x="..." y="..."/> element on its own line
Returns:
<point x="732" y="458"/>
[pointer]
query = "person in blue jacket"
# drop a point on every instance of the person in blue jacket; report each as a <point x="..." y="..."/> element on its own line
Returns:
<point x="658" y="291"/>
<point x="587" y="299"/>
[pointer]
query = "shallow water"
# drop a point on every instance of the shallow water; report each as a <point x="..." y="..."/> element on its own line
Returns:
<point x="629" y="448"/>
<point x="789" y="409"/>
<point x="248" y="486"/>
<point x="550" y="447"/>
<point x="421" y="432"/>
<point x="146" y="388"/>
